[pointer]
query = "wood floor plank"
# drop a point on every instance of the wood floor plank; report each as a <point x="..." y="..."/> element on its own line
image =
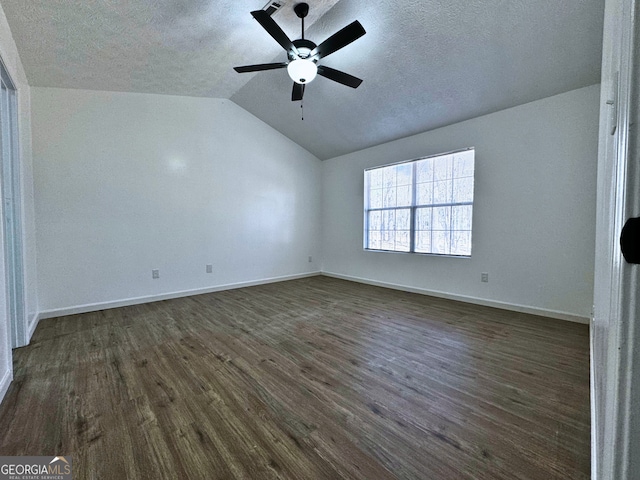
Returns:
<point x="317" y="378"/>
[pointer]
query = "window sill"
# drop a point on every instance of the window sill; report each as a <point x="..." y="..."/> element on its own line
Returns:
<point x="417" y="253"/>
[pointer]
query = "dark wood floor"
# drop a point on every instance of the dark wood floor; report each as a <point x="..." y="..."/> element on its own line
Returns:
<point x="309" y="379"/>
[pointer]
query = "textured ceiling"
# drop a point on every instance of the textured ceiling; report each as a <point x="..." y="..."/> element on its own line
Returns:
<point x="430" y="63"/>
<point x="425" y="64"/>
<point x="177" y="47"/>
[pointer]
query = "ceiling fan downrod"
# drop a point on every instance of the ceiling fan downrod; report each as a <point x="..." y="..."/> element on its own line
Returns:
<point x="302" y="10"/>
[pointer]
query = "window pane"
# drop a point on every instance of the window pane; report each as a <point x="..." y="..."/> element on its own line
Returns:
<point x="389" y="197"/>
<point x="402" y="241"/>
<point x="423" y="225"/>
<point x="442" y="192"/>
<point x="375" y="198"/>
<point x="403" y="219"/>
<point x="461" y="217"/>
<point x="388" y="220"/>
<point x="374" y="240"/>
<point x="375" y="178"/>
<point x="423" y="241"/>
<point x="461" y="243"/>
<point x="375" y="220"/>
<point x="388" y="240"/>
<point x="424" y="193"/>
<point x="443" y="168"/>
<point x="404" y="174"/>
<point x="463" y="164"/>
<point x="424" y="170"/>
<point x="442" y="218"/>
<point x="423" y="218"/>
<point x="404" y="196"/>
<point x="440" y="243"/>
<point x="463" y="190"/>
<point x="389" y="177"/>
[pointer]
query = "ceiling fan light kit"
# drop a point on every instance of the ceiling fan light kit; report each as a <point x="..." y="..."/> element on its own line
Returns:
<point x="302" y="70"/>
<point x="303" y="55"/>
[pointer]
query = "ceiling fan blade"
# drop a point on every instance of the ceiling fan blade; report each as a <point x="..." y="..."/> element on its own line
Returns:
<point x="338" y="76"/>
<point x="298" y="91"/>
<point x="340" y="39"/>
<point x="273" y="29"/>
<point x="260" y="67"/>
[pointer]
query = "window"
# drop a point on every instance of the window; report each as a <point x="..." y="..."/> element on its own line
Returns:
<point x="421" y="206"/>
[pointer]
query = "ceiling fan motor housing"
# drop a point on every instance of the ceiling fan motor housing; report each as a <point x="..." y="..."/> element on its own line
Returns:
<point x="304" y="47"/>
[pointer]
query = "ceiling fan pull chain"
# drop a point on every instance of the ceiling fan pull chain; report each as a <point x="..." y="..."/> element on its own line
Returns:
<point x="302" y="109"/>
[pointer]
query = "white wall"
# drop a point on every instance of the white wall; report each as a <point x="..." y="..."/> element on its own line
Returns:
<point x="126" y="183"/>
<point x="534" y="210"/>
<point x="11" y="59"/>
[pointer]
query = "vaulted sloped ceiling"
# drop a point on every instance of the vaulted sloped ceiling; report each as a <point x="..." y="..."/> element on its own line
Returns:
<point x="425" y="64"/>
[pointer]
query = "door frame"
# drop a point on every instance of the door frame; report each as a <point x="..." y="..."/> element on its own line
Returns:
<point x="615" y="340"/>
<point x="12" y="241"/>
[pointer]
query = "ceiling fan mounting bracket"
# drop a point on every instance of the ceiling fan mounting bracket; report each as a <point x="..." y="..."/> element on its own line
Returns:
<point x="301" y="9"/>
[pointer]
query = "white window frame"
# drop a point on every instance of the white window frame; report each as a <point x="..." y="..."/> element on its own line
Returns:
<point x="413" y="207"/>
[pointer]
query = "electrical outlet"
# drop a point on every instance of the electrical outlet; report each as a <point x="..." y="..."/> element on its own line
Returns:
<point x="484" y="277"/>
<point x="310" y="259"/>
<point x="155" y="273"/>
<point x="209" y="268"/>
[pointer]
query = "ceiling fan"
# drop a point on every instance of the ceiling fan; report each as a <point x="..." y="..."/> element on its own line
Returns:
<point x="303" y="55"/>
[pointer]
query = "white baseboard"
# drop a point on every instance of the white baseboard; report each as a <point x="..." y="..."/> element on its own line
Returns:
<point x="5" y="382"/>
<point x="186" y="293"/>
<point x="467" y="299"/>
<point x="93" y="307"/>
